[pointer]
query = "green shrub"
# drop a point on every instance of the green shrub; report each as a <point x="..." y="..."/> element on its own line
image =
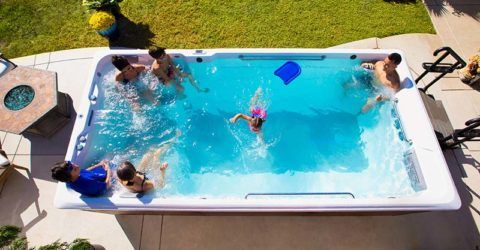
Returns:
<point x="19" y="244"/>
<point x="57" y="245"/>
<point x="100" y="4"/>
<point x="7" y="234"/>
<point x="80" y="244"/>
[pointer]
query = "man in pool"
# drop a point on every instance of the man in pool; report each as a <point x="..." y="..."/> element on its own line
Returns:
<point x="93" y="181"/>
<point x="387" y="75"/>
<point x="166" y="71"/>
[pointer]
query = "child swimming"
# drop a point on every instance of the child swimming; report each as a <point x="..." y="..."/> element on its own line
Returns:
<point x="258" y="113"/>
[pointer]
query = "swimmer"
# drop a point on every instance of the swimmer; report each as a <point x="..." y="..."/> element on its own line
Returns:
<point x="258" y="114"/>
<point x="385" y="71"/>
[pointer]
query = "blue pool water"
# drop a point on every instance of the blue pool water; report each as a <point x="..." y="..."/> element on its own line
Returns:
<point x="316" y="140"/>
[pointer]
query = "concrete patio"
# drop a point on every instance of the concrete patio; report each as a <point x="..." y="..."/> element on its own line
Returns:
<point x="27" y="198"/>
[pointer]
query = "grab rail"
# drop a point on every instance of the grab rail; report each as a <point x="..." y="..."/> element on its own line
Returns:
<point x="322" y="193"/>
<point x="467" y="133"/>
<point x="438" y="67"/>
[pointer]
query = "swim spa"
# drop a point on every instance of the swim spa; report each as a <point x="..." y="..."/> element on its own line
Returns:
<point x="318" y="152"/>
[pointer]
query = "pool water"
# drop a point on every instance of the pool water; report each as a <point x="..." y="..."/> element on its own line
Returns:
<point x="315" y="139"/>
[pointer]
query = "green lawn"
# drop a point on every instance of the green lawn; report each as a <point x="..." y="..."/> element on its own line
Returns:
<point x="34" y="26"/>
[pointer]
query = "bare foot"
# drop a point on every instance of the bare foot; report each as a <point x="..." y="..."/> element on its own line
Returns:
<point x="164" y="166"/>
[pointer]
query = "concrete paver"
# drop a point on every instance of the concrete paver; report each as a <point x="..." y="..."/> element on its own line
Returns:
<point x="75" y="85"/>
<point x="454" y="22"/>
<point x="10" y="143"/>
<point x="74" y="54"/>
<point x="151" y="232"/>
<point x="24" y="61"/>
<point x="43" y="58"/>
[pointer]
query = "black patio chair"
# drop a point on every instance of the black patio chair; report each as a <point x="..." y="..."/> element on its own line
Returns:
<point x="446" y="135"/>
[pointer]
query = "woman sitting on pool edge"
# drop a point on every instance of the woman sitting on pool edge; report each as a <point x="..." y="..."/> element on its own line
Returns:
<point x="164" y="68"/>
<point x="127" y="79"/>
<point x="137" y="181"/>
<point x="259" y="114"/>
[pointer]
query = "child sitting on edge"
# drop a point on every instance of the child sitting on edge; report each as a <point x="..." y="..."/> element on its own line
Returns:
<point x="137" y="181"/>
<point x="166" y="71"/>
<point x="259" y="113"/>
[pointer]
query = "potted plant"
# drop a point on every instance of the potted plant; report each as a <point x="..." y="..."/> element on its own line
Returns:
<point x="106" y="5"/>
<point x="104" y="23"/>
<point x="471" y="73"/>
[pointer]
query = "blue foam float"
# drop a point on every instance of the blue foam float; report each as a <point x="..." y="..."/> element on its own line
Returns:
<point x="288" y="71"/>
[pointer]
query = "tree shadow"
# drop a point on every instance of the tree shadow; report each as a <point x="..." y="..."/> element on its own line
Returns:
<point x="401" y="1"/>
<point x="439" y="8"/>
<point x="19" y="193"/>
<point x="56" y="145"/>
<point x="456" y="161"/>
<point x="130" y="34"/>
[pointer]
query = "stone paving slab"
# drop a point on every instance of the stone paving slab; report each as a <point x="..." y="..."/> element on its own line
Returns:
<point x="74" y="86"/>
<point x="455" y="22"/>
<point x="10" y="143"/>
<point x="24" y="61"/>
<point x="151" y="232"/>
<point x="74" y="54"/>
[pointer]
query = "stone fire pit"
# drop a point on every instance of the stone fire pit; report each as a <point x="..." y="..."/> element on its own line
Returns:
<point x="30" y="102"/>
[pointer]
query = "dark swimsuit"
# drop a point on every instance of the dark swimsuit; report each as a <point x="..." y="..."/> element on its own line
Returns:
<point x="145" y="178"/>
<point x="170" y="70"/>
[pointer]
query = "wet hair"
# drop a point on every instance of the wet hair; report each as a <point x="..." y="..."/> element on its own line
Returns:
<point x="156" y="52"/>
<point x="126" y="171"/>
<point x="120" y="62"/>
<point x="395" y="58"/>
<point x="61" y="172"/>
<point x="257" y="122"/>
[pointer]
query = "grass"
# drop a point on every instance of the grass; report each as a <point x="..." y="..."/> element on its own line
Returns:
<point x="34" y="26"/>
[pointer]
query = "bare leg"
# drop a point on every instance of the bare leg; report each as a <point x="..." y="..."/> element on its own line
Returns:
<point x="193" y="82"/>
<point x="371" y="102"/>
<point x="255" y="97"/>
<point x="161" y="181"/>
<point x="152" y="156"/>
<point x="149" y="96"/>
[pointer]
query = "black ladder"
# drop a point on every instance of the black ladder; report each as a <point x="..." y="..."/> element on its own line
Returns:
<point x="439" y="67"/>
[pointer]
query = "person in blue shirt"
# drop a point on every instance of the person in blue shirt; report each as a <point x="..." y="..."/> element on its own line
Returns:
<point x="93" y="181"/>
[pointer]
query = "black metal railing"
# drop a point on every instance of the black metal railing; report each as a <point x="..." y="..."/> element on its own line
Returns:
<point x="461" y="135"/>
<point x="439" y="67"/>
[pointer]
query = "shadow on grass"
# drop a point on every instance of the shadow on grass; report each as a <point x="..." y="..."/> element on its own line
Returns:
<point x="131" y="35"/>
<point x="401" y="1"/>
